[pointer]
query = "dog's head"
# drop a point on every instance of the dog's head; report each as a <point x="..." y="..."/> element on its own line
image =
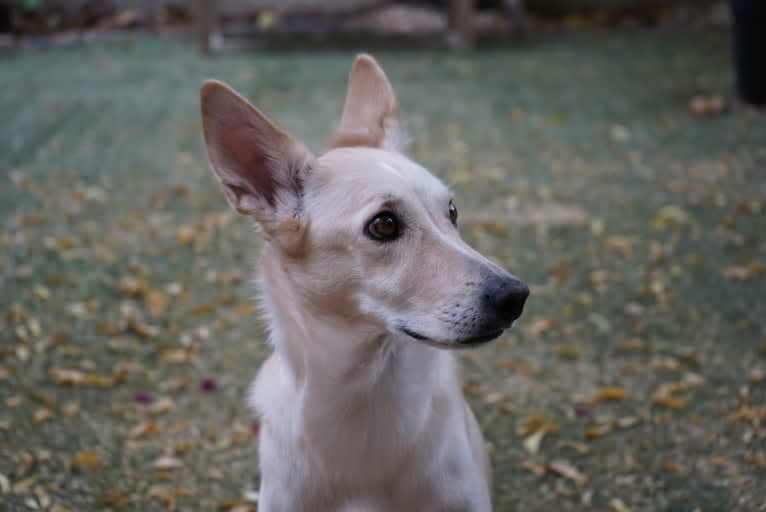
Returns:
<point x="362" y="232"/>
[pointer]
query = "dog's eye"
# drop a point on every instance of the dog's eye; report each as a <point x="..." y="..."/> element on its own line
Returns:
<point x="383" y="227"/>
<point x="453" y="213"/>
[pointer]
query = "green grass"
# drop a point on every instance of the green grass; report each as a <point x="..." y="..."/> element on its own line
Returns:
<point x="562" y="153"/>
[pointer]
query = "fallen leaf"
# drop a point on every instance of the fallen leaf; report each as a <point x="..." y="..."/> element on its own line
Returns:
<point x="617" y="505"/>
<point x="566" y="350"/>
<point x="115" y="499"/>
<point x="156" y="302"/>
<point x="87" y="459"/>
<point x="535" y="468"/>
<point x="596" y="432"/>
<point x="670" y="402"/>
<point x="533" y="442"/>
<point x="537" y="422"/>
<point x="568" y="471"/>
<point x="707" y="105"/>
<point x="185" y="235"/>
<point x="166" y="462"/>
<point x="71" y="408"/>
<point x="161" y="406"/>
<point x="672" y="467"/>
<point x="77" y="378"/>
<point x="670" y="215"/>
<point x="540" y="325"/>
<point x="627" y="422"/>
<point x="663" y="395"/>
<point x="42" y="415"/>
<point x="177" y="355"/>
<point x="609" y="394"/>
<point x="144" y="430"/>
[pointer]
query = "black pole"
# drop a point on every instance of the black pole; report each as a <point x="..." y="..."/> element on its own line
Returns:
<point x="750" y="49"/>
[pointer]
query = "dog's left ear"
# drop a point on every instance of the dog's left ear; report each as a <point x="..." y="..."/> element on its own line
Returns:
<point x="371" y="113"/>
<point x="261" y="167"/>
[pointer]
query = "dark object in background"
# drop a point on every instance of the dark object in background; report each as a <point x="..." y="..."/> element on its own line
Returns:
<point x="750" y="49"/>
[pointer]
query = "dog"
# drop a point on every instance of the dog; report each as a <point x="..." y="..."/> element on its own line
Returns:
<point x="365" y="282"/>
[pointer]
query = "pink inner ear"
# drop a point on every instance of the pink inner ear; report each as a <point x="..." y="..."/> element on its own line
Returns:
<point x="243" y="153"/>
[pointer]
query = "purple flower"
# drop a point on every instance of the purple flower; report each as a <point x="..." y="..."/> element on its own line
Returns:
<point x="143" y="397"/>
<point x="581" y="410"/>
<point x="208" y="384"/>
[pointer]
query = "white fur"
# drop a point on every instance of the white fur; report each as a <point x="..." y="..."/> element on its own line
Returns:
<point x="360" y="411"/>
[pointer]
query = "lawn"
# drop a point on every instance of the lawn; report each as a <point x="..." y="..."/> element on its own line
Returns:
<point x="636" y="379"/>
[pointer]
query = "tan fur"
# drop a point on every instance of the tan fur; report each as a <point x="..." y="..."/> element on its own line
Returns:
<point x="358" y="412"/>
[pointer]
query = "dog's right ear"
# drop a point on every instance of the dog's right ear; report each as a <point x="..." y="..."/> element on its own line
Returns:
<point x="260" y="166"/>
<point x="371" y="113"/>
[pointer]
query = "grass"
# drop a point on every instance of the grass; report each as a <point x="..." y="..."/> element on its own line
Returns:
<point x="640" y="359"/>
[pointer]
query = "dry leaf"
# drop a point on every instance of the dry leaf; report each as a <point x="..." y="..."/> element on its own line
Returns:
<point x="535" y="468"/>
<point x="86" y="459"/>
<point x="540" y="325"/>
<point x="156" y="302"/>
<point x="568" y="471"/>
<point x="533" y="442"/>
<point x="672" y="467"/>
<point x="41" y="415"/>
<point x="177" y="355"/>
<point x="627" y="422"/>
<point x="617" y="505"/>
<point x="166" y="462"/>
<point x="670" y="402"/>
<point x="161" y="406"/>
<point x="537" y="422"/>
<point x="609" y="394"/>
<point x="595" y="432"/>
<point x="143" y="430"/>
<point x="566" y="350"/>
<point x="77" y="378"/>
<point x="671" y="215"/>
<point x="115" y="499"/>
<point x="185" y="235"/>
<point x="71" y="408"/>
<point x="707" y="105"/>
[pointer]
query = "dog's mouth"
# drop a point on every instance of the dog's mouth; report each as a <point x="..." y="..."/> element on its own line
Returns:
<point x="461" y="343"/>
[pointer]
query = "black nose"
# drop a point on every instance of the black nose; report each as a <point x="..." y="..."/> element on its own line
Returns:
<point x="506" y="296"/>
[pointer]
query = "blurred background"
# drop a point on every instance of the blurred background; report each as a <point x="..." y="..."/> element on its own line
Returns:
<point x="610" y="153"/>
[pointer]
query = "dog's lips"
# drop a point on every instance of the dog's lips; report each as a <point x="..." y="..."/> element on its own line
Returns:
<point x="463" y="343"/>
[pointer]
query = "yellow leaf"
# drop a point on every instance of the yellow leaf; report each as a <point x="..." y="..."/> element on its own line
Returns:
<point x="71" y="408"/>
<point x="608" y="394"/>
<point x="41" y="415"/>
<point x="596" y="432"/>
<point x="185" y="235"/>
<point x="671" y="215"/>
<point x="115" y="499"/>
<point x="617" y="505"/>
<point x="176" y="355"/>
<point x="540" y="325"/>
<point x="537" y="422"/>
<point x="86" y="459"/>
<point x="670" y="402"/>
<point x="144" y="430"/>
<point x="156" y="302"/>
<point x="568" y="350"/>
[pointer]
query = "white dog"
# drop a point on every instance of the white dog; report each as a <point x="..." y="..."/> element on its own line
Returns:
<point x="365" y="281"/>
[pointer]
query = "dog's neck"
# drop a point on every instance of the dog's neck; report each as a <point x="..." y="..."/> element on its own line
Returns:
<point x="320" y="348"/>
